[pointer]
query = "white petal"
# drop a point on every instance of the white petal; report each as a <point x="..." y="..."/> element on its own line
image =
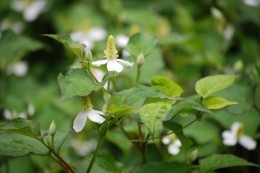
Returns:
<point x="166" y="140"/>
<point x="173" y="149"/>
<point x="247" y="142"/>
<point x="229" y="138"/>
<point x="97" y="33"/>
<point x="235" y="126"/>
<point x="99" y="63"/>
<point x="125" y="63"/>
<point x="20" y="68"/>
<point x="8" y="114"/>
<point x="99" y="74"/>
<point x="252" y="2"/>
<point x="96" y="117"/>
<point x="80" y="121"/>
<point x="177" y="142"/>
<point x="33" y="10"/>
<point x="122" y="40"/>
<point x="113" y="65"/>
<point x="125" y="53"/>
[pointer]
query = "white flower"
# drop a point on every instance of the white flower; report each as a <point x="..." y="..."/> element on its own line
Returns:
<point x="18" y="69"/>
<point x="173" y="143"/>
<point x="31" y="109"/>
<point x="228" y="32"/>
<point x="113" y="64"/>
<point x="122" y="40"/>
<point x="31" y="10"/>
<point x="88" y="38"/>
<point x="81" y="119"/>
<point x="235" y="135"/>
<point x="16" y="27"/>
<point x="252" y="2"/>
<point x="12" y="115"/>
<point x="83" y="147"/>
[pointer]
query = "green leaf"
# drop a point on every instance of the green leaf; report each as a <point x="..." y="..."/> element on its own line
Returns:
<point x="215" y="102"/>
<point x="155" y="167"/>
<point x="78" y="82"/>
<point x="108" y="162"/>
<point x="13" y="47"/>
<point x="178" y="130"/>
<point x="132" y="98"/>
<point x="211" y="84"/>
<point x="21" y="137"/>
<point x="257" y="97"/>
<point x="75" y="47"/>
<point x="187" y="104"/>
<point x="217" y="161"/>
<point x="141" y="43"/>
<point x="152" y="114"/>
<point x="167" y="86"/>
<point x="25" y="127"/>
<point x="14" y="144"/>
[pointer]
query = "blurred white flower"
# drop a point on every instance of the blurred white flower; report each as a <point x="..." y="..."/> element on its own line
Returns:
<point x="31" y="109"/>
<point x="83" y="147"/>
<point x="252" y="2"/>
<point x="30" y="9"/>
<point x="113" y="64"/>
<point x="235" y="135"/>
<point x="8" y="115"/>
<point x="18" y="69"/>
<point x="16" y="27"/>
<point x="228" y="32"/>
<point x="81" y="119"/>
<point x="89" y="38"/>
<point x="122" y="40"/>
<point x="173" y="143"/>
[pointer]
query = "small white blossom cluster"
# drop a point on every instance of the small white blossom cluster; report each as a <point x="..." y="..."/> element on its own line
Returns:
<point x="10" y="115"/>
<point x="174" y="144"/>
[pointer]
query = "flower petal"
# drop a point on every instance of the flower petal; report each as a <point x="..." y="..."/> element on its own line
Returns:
<point x="125" y="63"/>
<point x="99" y="63"/>
<point x="247" y="142"/>
<point x="113" y="65"/>
<point x="229" y="138"/>
<point x="166" y="140"/>
<point x="173" y="149"/>
<point x="235" y="126"/>
<point x="177" y="142"/>
<point x="96" y="117"/>
<point x="80" y="121"/>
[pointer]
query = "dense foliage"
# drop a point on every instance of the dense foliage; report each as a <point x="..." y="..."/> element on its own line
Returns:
<point x="129" y="86"/>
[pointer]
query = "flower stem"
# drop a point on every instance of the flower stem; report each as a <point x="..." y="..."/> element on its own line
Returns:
<point x="138" y="74"/>
<point x="95" y="154"/>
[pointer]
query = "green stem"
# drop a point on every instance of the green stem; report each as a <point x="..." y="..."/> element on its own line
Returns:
<point x="138" y="74"/>
<point x="108" y="84"/>
<point x="142" y="144"/>
<point x="95" y="154"/>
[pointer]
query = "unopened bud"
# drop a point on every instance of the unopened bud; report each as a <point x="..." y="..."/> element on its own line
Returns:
<point x="140" y="59"/>
<point x="193" y="155"/>
<point x="87" y="54"/>
<point x="238" y="66"/>
<point x="52" y="128"/>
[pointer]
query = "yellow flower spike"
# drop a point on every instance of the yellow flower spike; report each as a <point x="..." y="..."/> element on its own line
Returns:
<point x="111" y="52"/>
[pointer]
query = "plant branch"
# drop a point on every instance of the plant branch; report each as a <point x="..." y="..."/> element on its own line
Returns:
<point x="95" y="154"/>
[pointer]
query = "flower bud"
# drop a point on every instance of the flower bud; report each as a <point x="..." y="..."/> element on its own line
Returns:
<point x="52" y="128"/>
<point x="140" y="59"/>
<point x="87" y="54"/>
